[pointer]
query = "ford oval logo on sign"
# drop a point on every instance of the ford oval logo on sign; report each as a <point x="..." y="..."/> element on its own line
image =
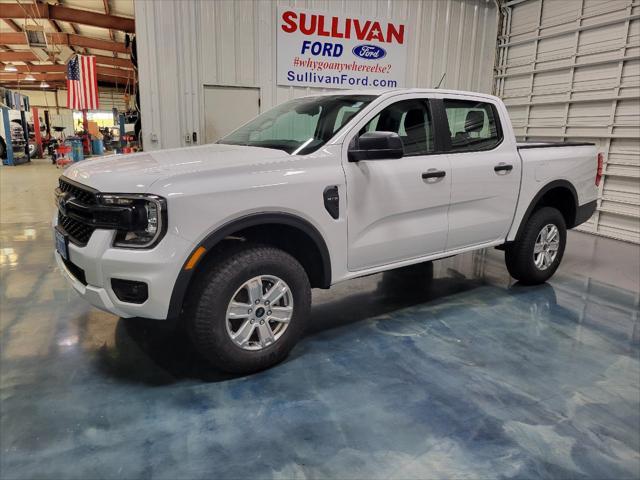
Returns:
<point x="369" y="52"/>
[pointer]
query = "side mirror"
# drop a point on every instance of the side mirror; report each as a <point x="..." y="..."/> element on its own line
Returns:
<point x="375" y="146"/>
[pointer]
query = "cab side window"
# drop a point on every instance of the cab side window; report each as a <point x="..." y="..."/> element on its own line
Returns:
<point x="472" y="125"/>
<point x="411" y="120"/>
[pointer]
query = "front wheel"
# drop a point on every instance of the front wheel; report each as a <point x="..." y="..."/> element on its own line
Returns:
<point x="249" y="310"/>
<point x="535" y="257"/>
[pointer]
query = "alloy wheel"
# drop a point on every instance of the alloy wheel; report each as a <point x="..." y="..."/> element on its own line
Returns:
<point x="546" y="248"/>
<point x="259" y="312"/>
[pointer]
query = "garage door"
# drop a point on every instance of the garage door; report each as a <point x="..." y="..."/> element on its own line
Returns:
<point x="570" y="70"/>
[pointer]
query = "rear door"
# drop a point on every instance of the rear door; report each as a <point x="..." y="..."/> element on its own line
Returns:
<point x="397" y="208"/>
<point x="485" y="172"/>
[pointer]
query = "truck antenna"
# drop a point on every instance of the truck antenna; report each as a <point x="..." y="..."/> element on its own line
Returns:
<point x="441" y="79"/>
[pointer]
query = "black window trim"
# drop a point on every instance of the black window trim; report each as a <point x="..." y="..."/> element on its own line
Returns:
<point x="427" y="104"/>
<point x="443" y="121"/>
<point x="438" y="137"/>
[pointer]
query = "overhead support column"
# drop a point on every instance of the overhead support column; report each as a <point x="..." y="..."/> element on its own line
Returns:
<point x="25" y="133"/>
<point x="36" y="129"/>
<point x="7" y="134"/>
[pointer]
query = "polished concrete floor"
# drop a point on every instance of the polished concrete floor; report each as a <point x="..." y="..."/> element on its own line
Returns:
<point x="451" y="371"/>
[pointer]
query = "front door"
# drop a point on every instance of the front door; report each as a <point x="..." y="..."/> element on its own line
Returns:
<point x="485" y="174"/>
<point x="397" y="208"/>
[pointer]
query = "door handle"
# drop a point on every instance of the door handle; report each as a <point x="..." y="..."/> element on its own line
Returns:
<point x="433" y="175"/>
<point x="502" y="168"/>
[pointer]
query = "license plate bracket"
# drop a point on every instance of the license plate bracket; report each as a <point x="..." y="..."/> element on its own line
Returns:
<point x="62" y="243"/>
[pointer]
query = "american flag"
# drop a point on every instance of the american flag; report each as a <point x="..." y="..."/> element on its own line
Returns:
<point x="82" y="83"/>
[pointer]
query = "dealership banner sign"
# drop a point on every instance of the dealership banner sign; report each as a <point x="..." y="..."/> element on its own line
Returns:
<point x="340" y="51"/>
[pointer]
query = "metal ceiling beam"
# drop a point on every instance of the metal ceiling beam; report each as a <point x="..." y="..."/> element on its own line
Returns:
<point x="114" y="62"/>
<point x="107" y="11"/>
<point x="18" y="56"/>
<point x="67" y="14"/>
<point x="89" y="42"/>
<point x="55" y="26"/>
<point x="75" y="30"/>
<point x="61" y="76"/>
<point x="55" y="85"/>
<point x="114" y="72"/>
<point x="12" y="25"/>
<point x="28" y="56"/>
<point x="70" y="39"/>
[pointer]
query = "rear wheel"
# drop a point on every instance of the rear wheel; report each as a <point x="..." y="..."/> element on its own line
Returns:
<point x="535" y="257"/>
<point x="250" y="309"/>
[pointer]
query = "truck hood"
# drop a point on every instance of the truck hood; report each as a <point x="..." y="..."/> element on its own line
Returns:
<point x="137" y="172"/>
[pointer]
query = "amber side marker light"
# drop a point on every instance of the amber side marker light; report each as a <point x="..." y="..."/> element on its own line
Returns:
<point x="195" y="256"/>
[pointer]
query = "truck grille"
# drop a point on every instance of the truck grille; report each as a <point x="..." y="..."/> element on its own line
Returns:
<point x="83" y="195"/>
<point x="78" y="231"/>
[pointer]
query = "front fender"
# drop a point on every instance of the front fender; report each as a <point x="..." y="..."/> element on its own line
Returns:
<point x="187" y="272"/>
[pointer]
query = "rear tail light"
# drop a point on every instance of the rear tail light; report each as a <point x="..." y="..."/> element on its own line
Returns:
<point x="600" y="165"/>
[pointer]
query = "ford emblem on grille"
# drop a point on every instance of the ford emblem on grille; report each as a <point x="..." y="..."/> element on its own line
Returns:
<point x="62" y="198"/>
<point x="369" y="52"/>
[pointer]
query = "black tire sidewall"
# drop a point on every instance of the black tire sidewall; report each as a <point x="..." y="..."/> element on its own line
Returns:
<point x="520" y="255"/>
<point x="207" y="325"/>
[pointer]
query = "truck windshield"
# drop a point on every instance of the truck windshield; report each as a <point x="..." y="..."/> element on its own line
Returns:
<point x="299" y="126"/>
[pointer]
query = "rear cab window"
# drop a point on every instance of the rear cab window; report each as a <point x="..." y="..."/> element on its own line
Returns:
<point x="473" y="125"/>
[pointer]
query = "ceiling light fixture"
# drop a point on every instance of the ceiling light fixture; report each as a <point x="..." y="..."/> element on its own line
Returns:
<point x="10" y="67"/>
<point x="44" y="84"/>
<point x="30" y="78"/>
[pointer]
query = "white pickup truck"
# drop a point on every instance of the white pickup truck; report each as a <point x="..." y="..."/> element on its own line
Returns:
<point x="231" y="237"/>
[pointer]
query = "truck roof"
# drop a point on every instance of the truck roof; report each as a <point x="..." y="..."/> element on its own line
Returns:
<point x="395" y="91"/>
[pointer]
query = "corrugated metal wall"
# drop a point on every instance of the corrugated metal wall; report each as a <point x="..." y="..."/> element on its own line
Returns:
<point x="570" y="70"/>
<point x="183" y="46"/>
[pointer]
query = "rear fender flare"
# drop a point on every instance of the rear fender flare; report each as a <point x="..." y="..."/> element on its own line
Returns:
<point x="538" y="196"/>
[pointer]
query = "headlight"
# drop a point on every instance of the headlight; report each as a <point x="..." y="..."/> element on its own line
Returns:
<point x="147" y="219"/>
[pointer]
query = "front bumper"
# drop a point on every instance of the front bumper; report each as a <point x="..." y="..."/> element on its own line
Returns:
<point x="157" y="267"/>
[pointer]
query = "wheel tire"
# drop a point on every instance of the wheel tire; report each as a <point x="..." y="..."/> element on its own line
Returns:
<point x="519" y="255"/>
<point x="214" y="289"/>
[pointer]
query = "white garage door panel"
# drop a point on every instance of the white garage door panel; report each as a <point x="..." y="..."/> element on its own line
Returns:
<point x="631" y="72"/>
<point x="556" y="46"/>
<point x="550" y="81"/>
<point x="629" y="171"/>
<point x="570" y="71"/>
<point x="592" y="113"/>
